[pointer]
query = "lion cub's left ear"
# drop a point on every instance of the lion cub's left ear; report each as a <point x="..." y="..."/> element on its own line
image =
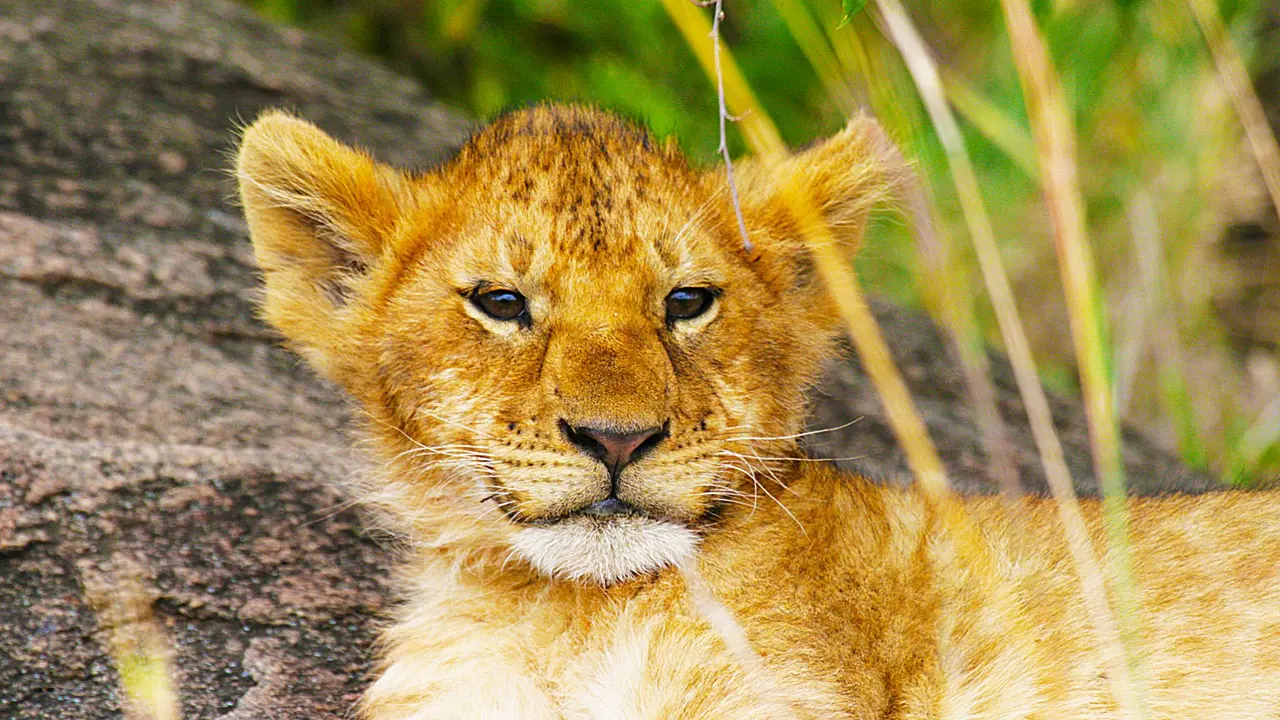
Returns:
<point x="321" y="215"/>
<point x="845" y="177"/>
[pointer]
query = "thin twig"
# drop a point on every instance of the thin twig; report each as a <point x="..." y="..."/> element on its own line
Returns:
<point x="725" y="117"/>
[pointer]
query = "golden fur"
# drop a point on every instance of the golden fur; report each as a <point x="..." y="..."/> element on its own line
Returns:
<point x="854" y="598"/>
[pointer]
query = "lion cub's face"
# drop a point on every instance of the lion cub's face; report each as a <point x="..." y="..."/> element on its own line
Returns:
<point x="562" y="345"/>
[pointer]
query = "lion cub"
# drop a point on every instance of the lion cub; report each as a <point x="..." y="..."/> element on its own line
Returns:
<point x="577" y="382"/>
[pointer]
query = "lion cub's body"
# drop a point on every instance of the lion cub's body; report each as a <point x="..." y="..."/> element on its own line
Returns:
<point x="865" y="614"/>
<point x="579" y="383"/>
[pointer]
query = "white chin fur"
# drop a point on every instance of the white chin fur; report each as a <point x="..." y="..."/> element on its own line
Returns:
<point x="604" y="551"/>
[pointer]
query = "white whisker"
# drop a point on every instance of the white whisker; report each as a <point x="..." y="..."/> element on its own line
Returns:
<point x="795" y="435"/>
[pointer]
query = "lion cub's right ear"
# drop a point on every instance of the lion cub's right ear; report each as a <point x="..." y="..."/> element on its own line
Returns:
<point x="321" y="215"/>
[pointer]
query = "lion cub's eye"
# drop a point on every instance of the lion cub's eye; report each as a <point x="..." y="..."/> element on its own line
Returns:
<point x="501" y="304"/>
<point x="687" y="303"/>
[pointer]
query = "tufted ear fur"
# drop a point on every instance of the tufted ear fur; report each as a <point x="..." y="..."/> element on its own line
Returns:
<point x="845" y="176"/>
<point x="321" y="215"/>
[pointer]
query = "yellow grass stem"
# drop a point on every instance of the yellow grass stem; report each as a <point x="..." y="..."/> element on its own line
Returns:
<point x="1054" y="136"/>
<point x="1261" y="436"/>
<point x="136" y="643"/>
<point x="763" y="138"/>
<point x="1166" y="345"/>
<point x="813" y="43"/>
<point x="756" y="126"/>
<point x="1235" y="77"/>
<point x="944" y="294"/>
<point x="1141" y="304"/>
<point x="1000" y="129"/>
<point x="1093" y="584"/>
<point x="843" y="285"/>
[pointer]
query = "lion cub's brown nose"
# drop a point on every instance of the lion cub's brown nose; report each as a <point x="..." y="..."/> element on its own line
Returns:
<point x="615" y="450"/>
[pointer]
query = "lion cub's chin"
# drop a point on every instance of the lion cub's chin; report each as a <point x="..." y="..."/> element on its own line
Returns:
<point x="604" y="550"/>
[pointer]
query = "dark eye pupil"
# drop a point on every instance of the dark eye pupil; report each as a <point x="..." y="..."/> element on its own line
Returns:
<point x="500" y="304"/>
<point x="688" y="303"/>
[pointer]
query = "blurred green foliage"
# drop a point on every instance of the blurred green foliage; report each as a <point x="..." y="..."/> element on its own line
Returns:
<point x="484" y="56"/>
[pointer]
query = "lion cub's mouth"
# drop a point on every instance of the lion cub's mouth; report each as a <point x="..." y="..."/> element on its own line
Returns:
<point x="601" y="511"/>
<point x="611" y="507"/>
<point x="604" y="549"/>
<point x="605" y="542"/>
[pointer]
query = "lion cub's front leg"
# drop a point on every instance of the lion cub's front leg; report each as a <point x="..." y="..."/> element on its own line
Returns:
<point x="451" y="686"/>
<point x="658" y="669"/>
<point x="445" y="659"/>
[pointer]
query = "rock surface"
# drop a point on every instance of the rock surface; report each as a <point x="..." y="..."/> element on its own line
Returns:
<point x="147" y="418"/>
<point x="146" y="415"/>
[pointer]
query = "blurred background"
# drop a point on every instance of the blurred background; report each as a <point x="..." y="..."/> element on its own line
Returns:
<point x="1183" y="230"/>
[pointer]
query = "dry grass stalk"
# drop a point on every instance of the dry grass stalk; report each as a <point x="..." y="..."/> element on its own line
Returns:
<point x="136" y="642"/>
<point x="1166" y="345"/>
<point x="944" y="294"/>
<point x="733" y="635"/>
<point x="942" y="288"/>
<point x="1235" y="77"/>
<point x="1054" y="137"/>
<point x="1260" y="437"/>
<point x="1001" y="130"/>
<point x="1140" y="304"/>
<point x="845" y="289"/>
<point x="813" y="43"/>
<point x="923" y="69"/>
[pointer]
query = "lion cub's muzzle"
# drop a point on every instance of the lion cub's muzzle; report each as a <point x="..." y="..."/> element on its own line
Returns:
<point x="615" y="450"/>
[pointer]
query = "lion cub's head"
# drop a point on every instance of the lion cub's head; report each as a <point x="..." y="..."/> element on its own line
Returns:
<point x="565" y="352"/>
